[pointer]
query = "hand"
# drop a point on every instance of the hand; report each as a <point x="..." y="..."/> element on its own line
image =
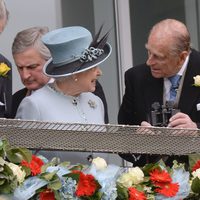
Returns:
<point x="181" y="120"/>
<point x="145" y="124"/>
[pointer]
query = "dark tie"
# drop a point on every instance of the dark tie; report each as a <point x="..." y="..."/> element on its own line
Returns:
<point x="175" y="83"/>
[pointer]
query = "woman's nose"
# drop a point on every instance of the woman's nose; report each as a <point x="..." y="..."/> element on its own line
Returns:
<point x="99" y="72"/>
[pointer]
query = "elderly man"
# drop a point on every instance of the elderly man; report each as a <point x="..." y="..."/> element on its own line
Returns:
<point x="169" y="58"/>
<point x="30" y="55"/>
<point x="5" y="70"/>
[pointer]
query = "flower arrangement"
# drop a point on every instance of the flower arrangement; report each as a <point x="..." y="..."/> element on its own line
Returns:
<point x="4" y="69"/>
<point x="25" y="176"/>
<point x="196" y="80"/>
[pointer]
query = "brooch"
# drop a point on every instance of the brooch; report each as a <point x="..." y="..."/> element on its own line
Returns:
<point x="92" y="104"/>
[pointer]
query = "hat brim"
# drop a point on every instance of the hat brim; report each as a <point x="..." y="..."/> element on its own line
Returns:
<point x="52" y="70"/>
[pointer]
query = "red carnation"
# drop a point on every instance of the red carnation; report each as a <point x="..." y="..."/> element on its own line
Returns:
<point x="134" y="194"/>
<point x="168" y="189"/>
<point x="87" y="185"/>
<point x="35" y="165"/>
<point x="196" y="166"/>
<point x="160" y="176"/>
<point x="47" y="195"/>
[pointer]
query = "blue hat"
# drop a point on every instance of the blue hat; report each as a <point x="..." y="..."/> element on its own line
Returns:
<point x="73" y="51"/>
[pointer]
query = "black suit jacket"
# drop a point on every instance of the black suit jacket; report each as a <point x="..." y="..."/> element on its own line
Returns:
<point x="19" y="95"/>
<point x="142" y="90"/>
<point x="5" y="90"/>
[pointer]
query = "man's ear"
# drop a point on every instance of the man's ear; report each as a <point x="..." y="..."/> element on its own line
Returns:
<point x="183" y="56"/>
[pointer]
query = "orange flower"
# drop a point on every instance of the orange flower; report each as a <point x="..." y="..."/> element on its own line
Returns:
<point x="168" y="189"/>
<point x="160" y="176"/>
<point x="35" y="165"/>
<point x="87" y="185"/>
<point x="134" y="194"/>
<point x="47" y="195"/>
<point x="196" y="166"/>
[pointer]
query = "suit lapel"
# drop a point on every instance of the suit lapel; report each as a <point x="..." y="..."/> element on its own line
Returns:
<point x="153" y="91"/>
<point x="189" y="92"/>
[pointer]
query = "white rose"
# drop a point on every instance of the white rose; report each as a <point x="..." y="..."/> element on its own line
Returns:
<point x="126" y="180"/>
<point x="17" y="171"/>
<point x="137" y="175"/>
<point x="196" y="80"/>
<point x="134" y="176"/>
<point x="196" y="173"/>
<point x="99" y="163"/>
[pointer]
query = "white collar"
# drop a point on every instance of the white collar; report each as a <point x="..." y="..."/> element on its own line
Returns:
<point x="184" y="66"/>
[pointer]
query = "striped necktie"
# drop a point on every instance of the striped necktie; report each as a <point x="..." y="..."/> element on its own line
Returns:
<point x="174" y="86"/>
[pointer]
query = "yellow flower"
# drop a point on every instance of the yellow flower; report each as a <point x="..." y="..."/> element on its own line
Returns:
<point x="4" y="69"/>
<point x="197" y="80"/>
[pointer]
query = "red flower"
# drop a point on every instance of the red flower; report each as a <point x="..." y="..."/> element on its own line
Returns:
<point x="87" y="185"/>
<point x="196" y="166"/>
<point x="47" y="195"/>
<point x="134" y="194"/>
<point x="160" y="176"/>
<point x="35" y="165"/>
<point x="168" y="189"/>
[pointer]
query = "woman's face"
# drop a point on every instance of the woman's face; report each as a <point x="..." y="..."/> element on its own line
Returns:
<point x="87" y="79"/>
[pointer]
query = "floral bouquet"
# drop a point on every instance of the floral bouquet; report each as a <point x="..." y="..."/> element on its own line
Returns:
<point x="25" y="176"/>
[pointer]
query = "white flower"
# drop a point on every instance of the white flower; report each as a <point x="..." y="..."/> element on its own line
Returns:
<point x="196" y="173"/>
<point x="137" y="175"/>
<point x="134" y="176"/>
<point x="17" y="171"/>
<point x="197" y="80"/>
<point x="125" y="180"/>
<point x="99" y="163"/>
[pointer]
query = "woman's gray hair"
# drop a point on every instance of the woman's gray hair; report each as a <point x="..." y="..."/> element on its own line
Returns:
<point x="31" y="37"/>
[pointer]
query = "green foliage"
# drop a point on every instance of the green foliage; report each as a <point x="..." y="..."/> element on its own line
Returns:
<point x="122" y="192"/>
<point x="196" y="185"/>
<point x="8" y="154"/>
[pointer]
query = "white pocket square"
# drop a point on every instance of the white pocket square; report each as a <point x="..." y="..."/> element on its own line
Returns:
<point x="198" y="107"/>
<point x="2" y="104"/>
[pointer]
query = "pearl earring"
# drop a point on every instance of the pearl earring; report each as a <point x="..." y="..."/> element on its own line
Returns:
<point x="75" y="79"/>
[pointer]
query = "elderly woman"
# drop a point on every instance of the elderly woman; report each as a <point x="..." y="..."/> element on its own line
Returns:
<point x="74" y="66"/>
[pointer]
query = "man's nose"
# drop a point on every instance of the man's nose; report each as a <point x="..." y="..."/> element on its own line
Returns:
<point x="25" y="74"/>
<point x="150" y="60"/>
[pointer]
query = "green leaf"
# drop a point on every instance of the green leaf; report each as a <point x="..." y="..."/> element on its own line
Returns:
<point x="73" y="176"/>
<point x="122" y="193"/>
<point x="55" y="184"/>
<point x="193" y="158"/>
<point x="48" y="176"/>
<point x="196" y="185"/>
<point x="16" y="155"/>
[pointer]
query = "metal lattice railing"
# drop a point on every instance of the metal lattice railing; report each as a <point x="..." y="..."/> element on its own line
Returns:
<point x="100" y="138"/>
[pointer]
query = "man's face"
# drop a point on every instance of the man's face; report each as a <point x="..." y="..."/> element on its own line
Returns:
<point x="160" y="61"/>
<point x="30" y="65"/>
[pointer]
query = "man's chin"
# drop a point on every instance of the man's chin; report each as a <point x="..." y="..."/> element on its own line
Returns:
<point x="156" y="75"/>
<point x="32" y="87"/>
